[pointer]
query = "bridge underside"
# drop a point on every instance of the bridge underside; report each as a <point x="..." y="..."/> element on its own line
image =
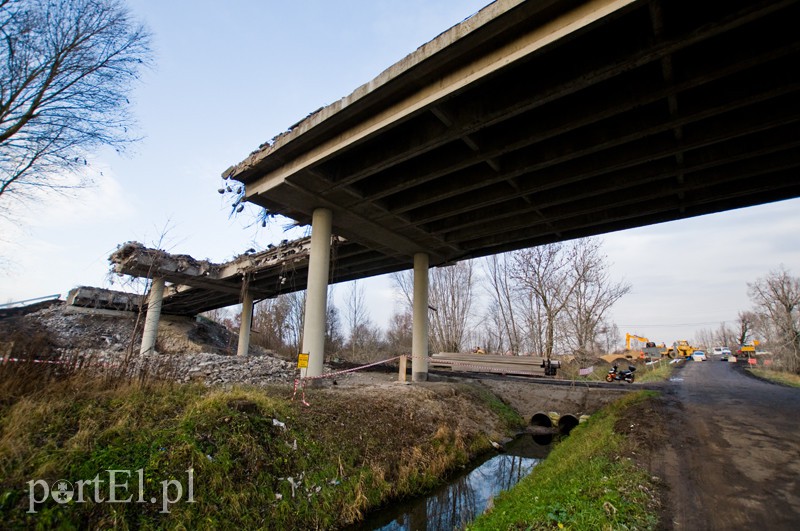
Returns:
<point x="535" y="122"/>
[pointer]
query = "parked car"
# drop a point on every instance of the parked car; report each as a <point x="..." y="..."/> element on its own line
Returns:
<point x="732" y="358"/>
<point x="698" y="355"/>
<point x="721" y="351"/>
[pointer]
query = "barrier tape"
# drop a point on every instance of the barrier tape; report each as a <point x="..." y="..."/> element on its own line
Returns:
<point x="34" y="361"/>
<point x="303" y="380"/>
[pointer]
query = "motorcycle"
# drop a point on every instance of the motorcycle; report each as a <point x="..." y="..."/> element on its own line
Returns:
<point x="616" y="374"/>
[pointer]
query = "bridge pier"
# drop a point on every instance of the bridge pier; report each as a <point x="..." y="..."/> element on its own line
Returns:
<point x="154" y="300"/>
<point x="419" y="338"/>
<point x="317" y="292"/>
<point x="246" y="324"/>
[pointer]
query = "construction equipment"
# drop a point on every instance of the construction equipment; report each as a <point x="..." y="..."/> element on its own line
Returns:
<point x="650" y="350"/>
<point x="681" y="349"/>
<point x="628" y="338"/>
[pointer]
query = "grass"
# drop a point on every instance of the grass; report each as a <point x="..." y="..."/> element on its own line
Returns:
<point x="655" y="373"/>
<point x="257" y="459"/>
<point x="585" y="483"/>
<point x="782" y="377"/>
<point x="644" y="373"/>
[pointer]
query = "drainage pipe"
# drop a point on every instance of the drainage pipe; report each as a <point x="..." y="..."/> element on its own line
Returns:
<point x="542" y="419"/>
<point x="566" y="423"/>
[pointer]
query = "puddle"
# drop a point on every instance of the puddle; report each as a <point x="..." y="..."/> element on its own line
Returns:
<point x="466" y="496"/>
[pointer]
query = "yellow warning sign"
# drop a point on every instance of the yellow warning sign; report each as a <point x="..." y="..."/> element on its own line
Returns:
<point x="302" y="361"/>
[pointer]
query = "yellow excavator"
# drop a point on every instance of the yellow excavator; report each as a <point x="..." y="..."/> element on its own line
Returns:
<point x="650" y="349"/>
<point x="629" y="337"/>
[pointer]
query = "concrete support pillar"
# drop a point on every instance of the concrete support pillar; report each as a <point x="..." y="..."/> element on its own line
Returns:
<point x="419" y="338"/>
<point x="317" y="292"/>
<point x="154" y="299"/>
<point x="246" y="324"/>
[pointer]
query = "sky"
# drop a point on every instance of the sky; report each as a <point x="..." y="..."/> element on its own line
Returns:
<point x="227" y="79"/>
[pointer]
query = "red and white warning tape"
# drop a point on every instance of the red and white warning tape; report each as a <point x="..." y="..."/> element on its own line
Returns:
<point x="303" y="380"/>
<point x="58" y="362"/>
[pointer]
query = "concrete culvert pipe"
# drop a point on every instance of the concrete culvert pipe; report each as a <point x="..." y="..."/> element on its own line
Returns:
<point x="541" y="419"/>
<point x="566" y="423"/>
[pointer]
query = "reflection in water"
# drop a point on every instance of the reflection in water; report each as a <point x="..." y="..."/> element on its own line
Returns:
<point x="465" y="497"/>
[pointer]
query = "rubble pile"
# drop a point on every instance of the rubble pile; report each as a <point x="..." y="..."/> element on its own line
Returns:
<point x="191" y="350"/>
<point x="214" y="369"/>
<point x="83" y="331"/>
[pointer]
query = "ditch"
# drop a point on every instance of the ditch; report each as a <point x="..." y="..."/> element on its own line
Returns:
<point x="466" y="495"/>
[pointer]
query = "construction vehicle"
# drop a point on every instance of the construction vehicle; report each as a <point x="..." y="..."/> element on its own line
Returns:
<point x="628" y="338"/>
<point x="650" y="350"/>
<point x="681" y="349"/>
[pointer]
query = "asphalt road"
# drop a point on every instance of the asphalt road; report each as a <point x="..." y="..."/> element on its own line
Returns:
<point x="733" y="451"/>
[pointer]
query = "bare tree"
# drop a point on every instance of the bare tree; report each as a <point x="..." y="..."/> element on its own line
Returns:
<point x="535" y="322"/>
<point x="546" y="273"/>
<point x="270" y="323"/>
<point x="777" y="299"/>
<point x="66" y="69"/>
<point x="724" y="336"/>
<point x="592" y="295"/>
<point x="400" y="332"/>
<point x="295" y="320"/>
<point x="611" y="336"/>
<point x="746" y="322"/>
<point x="450" y="297"/>
<point x="356" y="317"/>
<point x="704" y="338"/>
<point x="334" y="342"/>
<point x="505" y="306"/>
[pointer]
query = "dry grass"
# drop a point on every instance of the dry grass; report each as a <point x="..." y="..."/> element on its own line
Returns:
<point x="783" y="377"/>
<point x="350" y="451"/>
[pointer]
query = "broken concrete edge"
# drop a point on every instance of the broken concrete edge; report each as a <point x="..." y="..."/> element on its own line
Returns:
<point x="134" y="259"/>
<point x="101" y="298"/>
<point x="407" y="64"/>
<point x="131" y="256"/>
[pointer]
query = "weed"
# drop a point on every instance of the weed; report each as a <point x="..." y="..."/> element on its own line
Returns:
<point x="257" y="459"/>
<point x="583" y="484"/>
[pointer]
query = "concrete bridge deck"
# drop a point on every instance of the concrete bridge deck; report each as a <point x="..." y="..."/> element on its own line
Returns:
<point x="539" y="121"/>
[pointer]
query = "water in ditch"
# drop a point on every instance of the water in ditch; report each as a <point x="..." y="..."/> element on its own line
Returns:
<point x="466" y="496"/>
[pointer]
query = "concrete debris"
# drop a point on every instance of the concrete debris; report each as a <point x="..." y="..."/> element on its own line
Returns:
<point x="104" y="299"/>
<point x="101" y="342"/>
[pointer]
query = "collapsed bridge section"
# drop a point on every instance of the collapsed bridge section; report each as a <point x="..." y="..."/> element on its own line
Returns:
<point x="196" y="286"/>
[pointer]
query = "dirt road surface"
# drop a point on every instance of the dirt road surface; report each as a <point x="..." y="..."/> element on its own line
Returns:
<point x="732" y="458"/>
